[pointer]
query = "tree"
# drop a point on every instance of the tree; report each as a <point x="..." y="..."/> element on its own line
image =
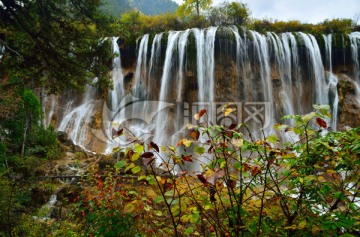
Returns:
<point x="52" y="43"/>
<point x="191" y="6"/>
<point x="229" y="13"/>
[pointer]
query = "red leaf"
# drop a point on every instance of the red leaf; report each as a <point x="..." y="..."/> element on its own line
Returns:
<point x="115" y="133"/>
<point x="187" y="158"/>
<point x="229" y="134"/>
<point x="202" y="178"/>
<point x="232" y="126"/>
<point x="271" y="161"/>
<point x="195" y="134"/>
<point x="202" y="112"/>
<point x="147" y="155"/>
<point x="255" y="171"/>
<point x="153" y="145"/>
<point x="321" y="122"/>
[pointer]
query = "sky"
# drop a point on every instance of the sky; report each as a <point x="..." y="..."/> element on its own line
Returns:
<point x="307" y="11"/>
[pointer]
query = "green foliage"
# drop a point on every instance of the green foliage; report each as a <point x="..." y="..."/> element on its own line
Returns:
<point x="342" y="26"/>
<point x="47" y="41"/>
<point x="229" y="13"/>
<point x="20" y="126"/>
<point x="193" y="7"/>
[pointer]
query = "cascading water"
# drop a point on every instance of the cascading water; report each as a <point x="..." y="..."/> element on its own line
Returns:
<point x="283" y="61"/>
<point x="155" y="55"/>
<point x="286" y="70"/>
<point x="205" y="40"/>
<point x="141" y="65"/>
<point x="316" y="67"/>
<point x="355" y="46"/>
<point x="160" y="126"/>
<point x="332" y="81"/>
<point x="76" y="122"/>
<point x="117" y="77"/>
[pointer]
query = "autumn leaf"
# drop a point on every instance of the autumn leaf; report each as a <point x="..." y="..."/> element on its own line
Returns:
<point x="237" y="142"/>
<point x="229" y="111"/>
<point x="321" y="123"/>
<point x="147" y="155"/>
<point x="200" y="114"/>
<point x="255" y="170"/>
<point x="187" y="158"/>
<point x="153" y="145"/>
<point x="232" y="126"/>
<point x="184" y="142"/>
<point x="116" y="133"/>
<point x="195" y="134"/>
<point x="202" y="178"/>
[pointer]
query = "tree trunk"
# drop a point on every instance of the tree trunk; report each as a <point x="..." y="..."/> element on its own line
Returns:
<point x="197" y="8"/>
<point x="24" y="137"/>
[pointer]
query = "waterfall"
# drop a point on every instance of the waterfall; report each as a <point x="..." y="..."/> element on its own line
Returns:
<point x="141" y="64"/>
<point x="355" y="46"/>
<point x="2" y="51"/>
<point x="332" y="81"/>
<point x="117" y="77"/>
<point x="76" y="122"/>
<point x="182" y="49"/>
<point x="285" y="70"/>
<point x="155" y="54"/>
<point x="241" y="61"/>
<point x="205" y="40"/>
<point x="48" y="114"/>
<point x="160" y="126"/>
<point x="283" y="61"/>
<point x="316" y="68"/>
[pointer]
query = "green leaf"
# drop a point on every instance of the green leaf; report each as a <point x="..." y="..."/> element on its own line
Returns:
<point x="136" y="169"/>
<point x="151" y="180"/>
<point x="158" y="213"/>
<point x="159" y="199"/>
<point x="142" y="177"/>
<point x="200" y="150"/>
<point x="273" y="139"/>
<point x="135" y="157"/>
<point x="120" y="164"/>
<point x="280" y="126"/>
<point x="129" y="167"/>
<point x="115" y="149"/>
<point x="323" y="109"/>
<point x="169" y="193"/>
<point x="307" y="117"/>
<point x="189" y="230"/>
<point x="139" y="148"/>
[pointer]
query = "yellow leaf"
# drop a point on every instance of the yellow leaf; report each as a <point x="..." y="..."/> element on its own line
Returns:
<point x="228" y="111"/>
<point x="302" y="224"/>
<point x="186" y="142"/>
<point x="237" y="142"/>
<point x="321" y="179"/>
<point x="129" y="208"/>
<point x="257" y="203"/>
<point x="331" y="171"/>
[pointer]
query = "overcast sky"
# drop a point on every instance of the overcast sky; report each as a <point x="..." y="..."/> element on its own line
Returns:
<point x="307" y="11"/>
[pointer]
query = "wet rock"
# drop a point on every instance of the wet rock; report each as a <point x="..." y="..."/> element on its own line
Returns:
<point x="349" y="110"/>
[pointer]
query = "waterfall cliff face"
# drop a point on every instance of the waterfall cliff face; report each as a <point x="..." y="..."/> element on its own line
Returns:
<point x="264" y="76"/>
